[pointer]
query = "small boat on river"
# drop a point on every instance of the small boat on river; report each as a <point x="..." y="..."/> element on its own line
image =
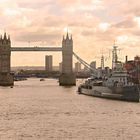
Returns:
<point x="42" y="79"/>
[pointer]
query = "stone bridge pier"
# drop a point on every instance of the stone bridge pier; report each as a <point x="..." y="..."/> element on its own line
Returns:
<point x="67" y="77"/>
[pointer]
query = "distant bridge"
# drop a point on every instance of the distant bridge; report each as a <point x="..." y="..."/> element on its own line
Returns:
<point x="36" y="48"/>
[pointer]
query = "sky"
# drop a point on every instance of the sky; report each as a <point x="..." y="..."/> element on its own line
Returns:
<point x="94" y="25"/>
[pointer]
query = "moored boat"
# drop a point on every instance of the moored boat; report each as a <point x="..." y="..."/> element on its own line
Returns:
<point x="117" y="86"/>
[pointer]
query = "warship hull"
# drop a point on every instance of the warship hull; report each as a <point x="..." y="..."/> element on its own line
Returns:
<point x="128" y="93"/>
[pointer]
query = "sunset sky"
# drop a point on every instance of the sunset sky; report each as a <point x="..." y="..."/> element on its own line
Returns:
<point x="94" y="24"/>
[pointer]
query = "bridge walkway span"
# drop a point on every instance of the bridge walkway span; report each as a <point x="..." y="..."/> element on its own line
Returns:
<point x="36" y="48"/>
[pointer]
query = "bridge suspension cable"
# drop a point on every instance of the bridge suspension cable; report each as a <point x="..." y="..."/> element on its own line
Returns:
<point x="94" y="72"/>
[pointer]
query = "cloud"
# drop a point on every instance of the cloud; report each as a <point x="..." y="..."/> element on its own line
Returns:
<point x="94" y="23"/>
<point x="38" y="36"/>
<point x="104" y="26"/>
<point x="128" y="23"/>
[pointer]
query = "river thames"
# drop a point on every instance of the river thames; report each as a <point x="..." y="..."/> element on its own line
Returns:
<point x="43" y="110"/>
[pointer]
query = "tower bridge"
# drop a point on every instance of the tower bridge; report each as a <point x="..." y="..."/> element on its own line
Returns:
<point x="67" y="76"/>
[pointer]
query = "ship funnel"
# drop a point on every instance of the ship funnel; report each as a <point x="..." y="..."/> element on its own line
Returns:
<point x="126" y="58"/>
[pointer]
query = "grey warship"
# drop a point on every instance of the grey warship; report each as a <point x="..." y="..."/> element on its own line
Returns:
<point x="118" y="85"/>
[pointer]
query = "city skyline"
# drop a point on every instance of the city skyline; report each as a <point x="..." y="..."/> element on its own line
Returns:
<point x="94" y="24"/>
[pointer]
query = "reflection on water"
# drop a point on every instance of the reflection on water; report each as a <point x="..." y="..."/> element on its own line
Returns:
<point x="42" y="110"/>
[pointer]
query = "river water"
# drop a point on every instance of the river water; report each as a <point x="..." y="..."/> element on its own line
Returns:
<point x="43" y="110"/>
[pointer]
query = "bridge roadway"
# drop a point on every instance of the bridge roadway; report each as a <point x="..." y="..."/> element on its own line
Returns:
<point x="36" y="48"/>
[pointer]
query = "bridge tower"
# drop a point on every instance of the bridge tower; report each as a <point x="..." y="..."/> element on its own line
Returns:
<point x="6" y="79"/>
<point x="67" y="77"/>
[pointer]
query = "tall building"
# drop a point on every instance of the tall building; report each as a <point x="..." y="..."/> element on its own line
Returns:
<point x="133" y="69"/>
<point x="99" y="72"/>
<point x="77" y="67"/>
<point x="93" y="64"/>
<point x="48" y="63"/>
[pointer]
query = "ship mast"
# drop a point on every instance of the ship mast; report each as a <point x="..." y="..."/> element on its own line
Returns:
<point x="102" y="62"/>
<point x="114" y="56"/>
